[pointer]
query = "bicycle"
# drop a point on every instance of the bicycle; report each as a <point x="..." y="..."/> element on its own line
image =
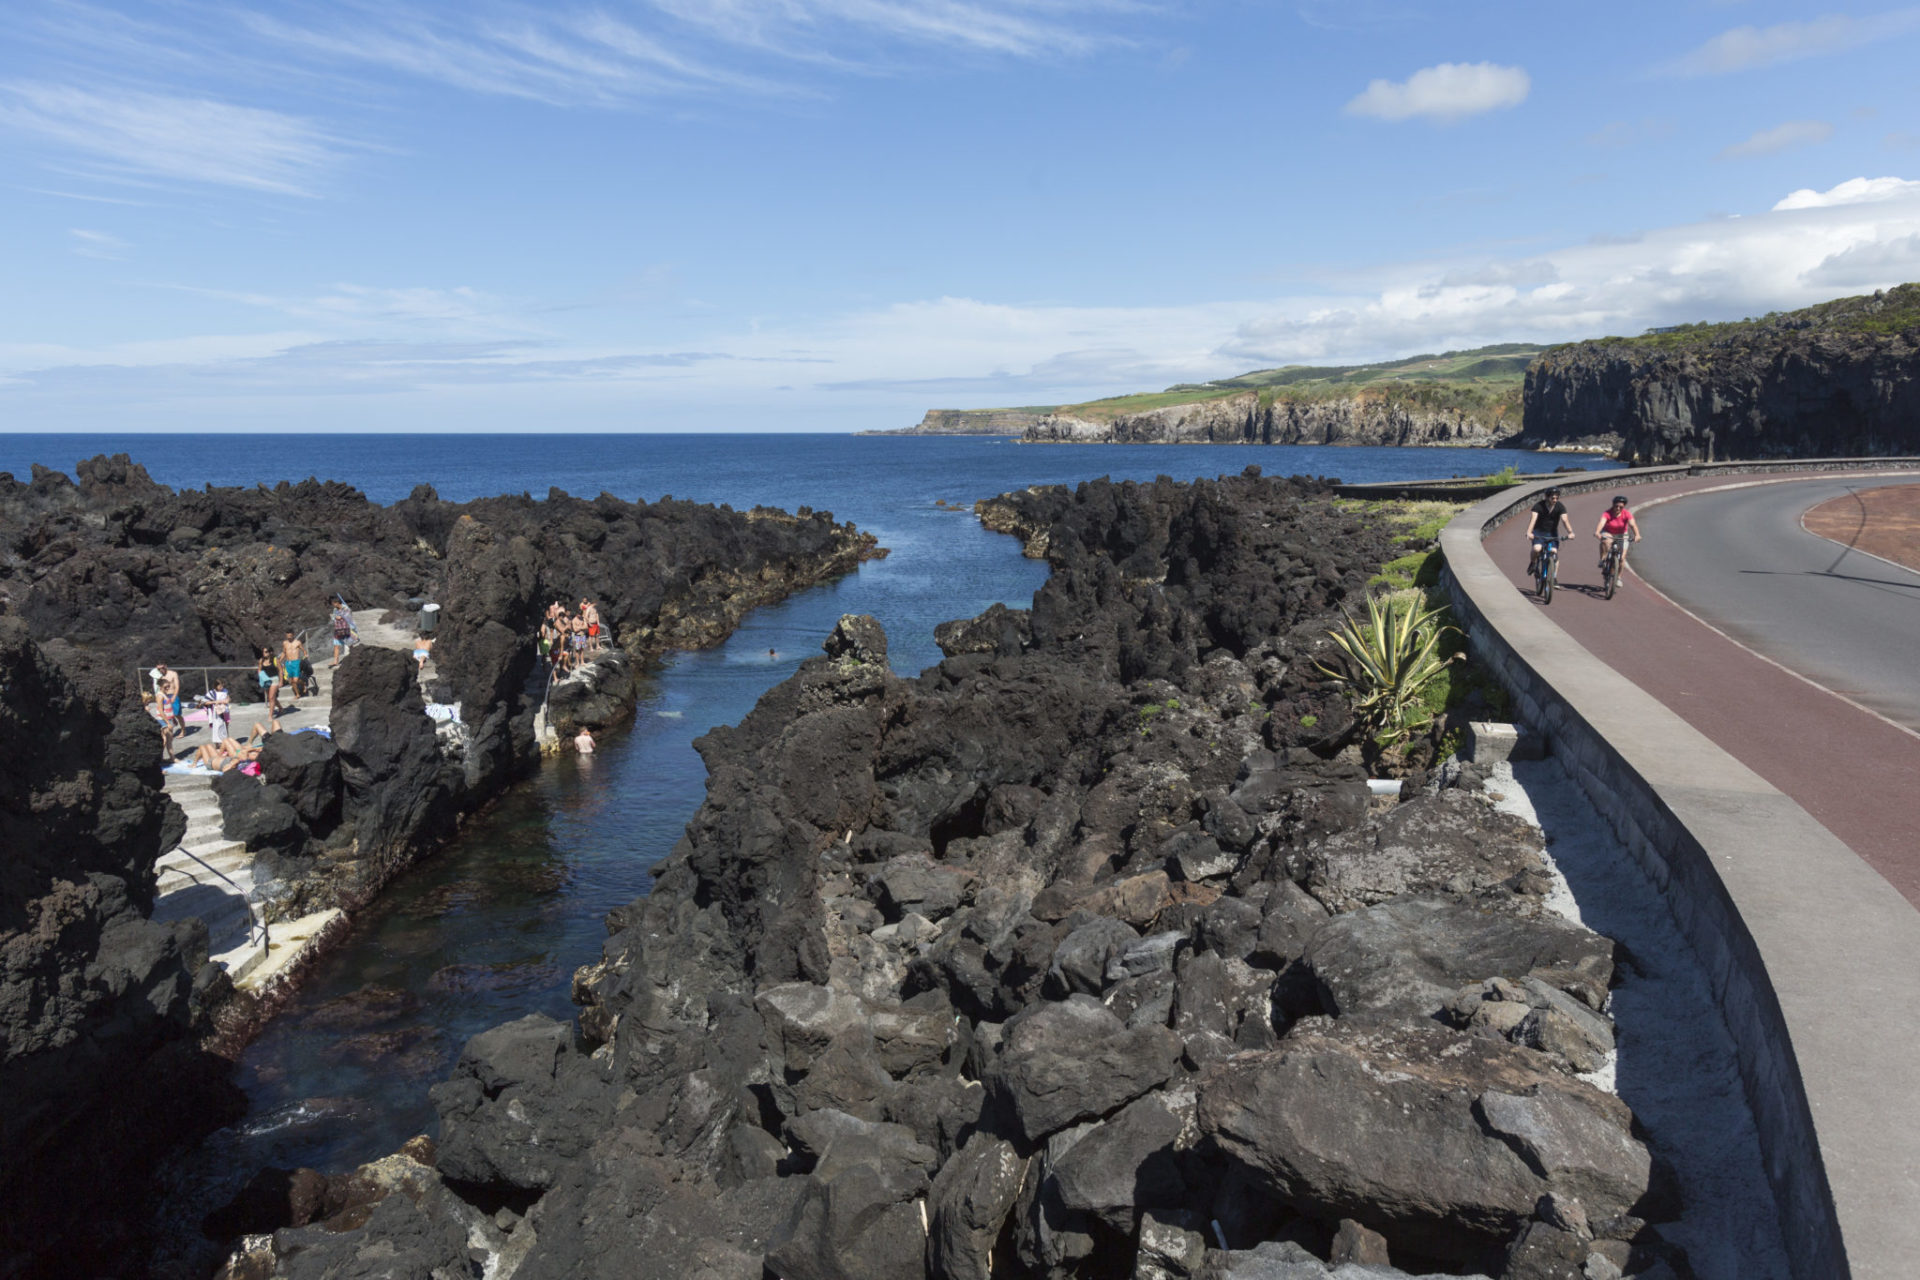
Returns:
<point x="1616" y="563"/>
<point x="1546" y="568"/>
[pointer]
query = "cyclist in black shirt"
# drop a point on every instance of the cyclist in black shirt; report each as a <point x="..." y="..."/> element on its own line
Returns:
<point x="1548" y="519"/>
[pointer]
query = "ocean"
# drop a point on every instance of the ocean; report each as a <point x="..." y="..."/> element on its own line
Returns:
<point x="494" y="927"/>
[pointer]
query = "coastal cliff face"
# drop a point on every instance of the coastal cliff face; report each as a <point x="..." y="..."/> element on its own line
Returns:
<point x="1362" y="419"/>
<point x="1083" y="954"/>
<point x="1839" y="380"/>
<point x="969" y="422"/>
<point x="100" y="1007"/>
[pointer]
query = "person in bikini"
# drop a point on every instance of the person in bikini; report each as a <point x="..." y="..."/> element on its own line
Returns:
<point x="1617" y="522"/>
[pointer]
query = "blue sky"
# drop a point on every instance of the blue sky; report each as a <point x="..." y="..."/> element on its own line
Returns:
<point x="685" y="215"/>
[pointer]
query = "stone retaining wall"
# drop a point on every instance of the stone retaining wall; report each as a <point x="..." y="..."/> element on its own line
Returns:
<point x="1813" y="957"/>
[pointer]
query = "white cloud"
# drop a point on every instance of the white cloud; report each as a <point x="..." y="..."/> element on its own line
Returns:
<point x="1450" y="91"/>
<point x="1852" y="191"/>
<point x="98" y="244"/>
<point x="1784" y="137"/>
<point x="1745" y="48"/>
<point x="191" y="139"/>
<point x="420" y="356"/>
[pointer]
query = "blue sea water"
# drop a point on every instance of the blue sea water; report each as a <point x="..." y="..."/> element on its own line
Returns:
<point x="493" y="927"/>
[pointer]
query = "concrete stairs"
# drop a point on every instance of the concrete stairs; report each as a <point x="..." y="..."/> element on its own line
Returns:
<point x="210" y="876"/>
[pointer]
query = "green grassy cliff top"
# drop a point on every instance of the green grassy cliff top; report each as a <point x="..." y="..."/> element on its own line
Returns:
<point x="1883" y="314"/>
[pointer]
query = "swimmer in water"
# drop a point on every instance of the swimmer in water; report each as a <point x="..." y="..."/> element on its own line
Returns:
<point x="771" y="654"/>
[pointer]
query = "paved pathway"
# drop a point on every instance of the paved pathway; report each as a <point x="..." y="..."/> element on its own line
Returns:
<point x="209" y="876"/>
<point x="1852" y="771"/>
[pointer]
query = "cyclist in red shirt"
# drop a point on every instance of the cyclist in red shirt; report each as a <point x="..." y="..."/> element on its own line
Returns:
<point x="1617" y="522"/>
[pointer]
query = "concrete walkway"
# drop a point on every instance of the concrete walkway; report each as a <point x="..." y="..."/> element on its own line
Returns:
<point x="210" y="876"/>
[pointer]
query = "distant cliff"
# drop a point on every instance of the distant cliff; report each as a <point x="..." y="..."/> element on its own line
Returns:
<point x="1379" y="416"/>
<point x="971" y="422"/>
<point x="1838" y="379"/>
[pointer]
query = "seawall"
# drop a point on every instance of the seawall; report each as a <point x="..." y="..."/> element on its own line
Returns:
<point x="1806" y="947"/>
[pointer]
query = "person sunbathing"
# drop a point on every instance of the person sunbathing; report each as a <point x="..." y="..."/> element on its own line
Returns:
<point x="224" y="755"/>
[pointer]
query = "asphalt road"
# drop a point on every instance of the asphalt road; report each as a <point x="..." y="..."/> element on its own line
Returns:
<point x="1853" y="771"/>
<point x="1740" y="560"/>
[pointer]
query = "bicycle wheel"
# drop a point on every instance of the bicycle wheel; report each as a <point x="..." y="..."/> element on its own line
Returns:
<point x="1613" y="574"/>
<point x="1547" y="576"/>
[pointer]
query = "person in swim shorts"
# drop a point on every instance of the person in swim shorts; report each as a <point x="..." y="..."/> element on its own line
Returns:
<point x="1617" y="522"/>
<point x="293" y="665"/>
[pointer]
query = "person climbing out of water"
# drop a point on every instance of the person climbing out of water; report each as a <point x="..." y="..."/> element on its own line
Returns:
<point x="583" y="741"/>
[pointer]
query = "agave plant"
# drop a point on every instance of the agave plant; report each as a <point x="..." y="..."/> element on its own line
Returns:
<point x="1390" y="662"/>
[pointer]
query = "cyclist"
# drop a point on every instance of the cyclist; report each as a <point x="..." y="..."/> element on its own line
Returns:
<point x="1548" y="519"/>
<point x="1617" y="522"/>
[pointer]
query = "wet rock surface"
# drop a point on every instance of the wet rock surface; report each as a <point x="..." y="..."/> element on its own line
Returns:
<point x="997" y="971"/>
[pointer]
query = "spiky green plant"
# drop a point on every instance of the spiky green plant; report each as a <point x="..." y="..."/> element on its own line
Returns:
<point x="1390" y="661"/>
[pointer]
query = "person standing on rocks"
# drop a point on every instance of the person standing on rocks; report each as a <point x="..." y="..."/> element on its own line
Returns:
<point x="268" y="675"/>
<point x="168" y="686"/>
<point x="293" y="666"/>
<point x="343" y="632"/>
<point x="219" y="713"/>
<point x="590" y="614"/>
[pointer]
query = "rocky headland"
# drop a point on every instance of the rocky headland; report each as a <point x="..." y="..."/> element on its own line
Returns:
<point x="970" y="422"/>
<point x="103" y="575"/>
<point x="1084" y="953"/>
<point x="1836" y="380"/>
<point x="1364" y="418"/>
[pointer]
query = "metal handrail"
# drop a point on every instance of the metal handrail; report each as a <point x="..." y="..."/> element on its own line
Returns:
<point x="252" y="919"/>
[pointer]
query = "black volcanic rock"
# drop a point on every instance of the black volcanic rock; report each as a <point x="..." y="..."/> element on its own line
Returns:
<point x="1835" y="380"/>
<point x="100" y="1007"/>
<point x="1012" y="968"/>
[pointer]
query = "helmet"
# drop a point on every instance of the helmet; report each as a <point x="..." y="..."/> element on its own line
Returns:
<point x="1553" y="492"/>
<point x="1619" y="500"/>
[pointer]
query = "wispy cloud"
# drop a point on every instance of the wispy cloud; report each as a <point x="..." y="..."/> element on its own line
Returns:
<point x="174" y="138"/>
<point x="98" y="244"/>
<point x="571" y="57"/>
<point x="1745" y="48"/>
<point x="1448" y="92"/>
<point x="1782" y="137"/>
<point x="887" y="364"/>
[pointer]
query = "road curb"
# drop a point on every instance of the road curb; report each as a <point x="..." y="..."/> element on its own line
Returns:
<point x="1814" y="959"/>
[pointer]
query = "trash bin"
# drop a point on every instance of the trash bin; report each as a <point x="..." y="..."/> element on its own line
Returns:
<point x="429" y="618"/>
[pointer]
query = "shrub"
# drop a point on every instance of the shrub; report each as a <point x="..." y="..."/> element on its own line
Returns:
<point x="1391" y="662"/>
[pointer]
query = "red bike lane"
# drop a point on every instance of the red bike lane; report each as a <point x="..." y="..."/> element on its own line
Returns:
<point x="1856" y="774"/>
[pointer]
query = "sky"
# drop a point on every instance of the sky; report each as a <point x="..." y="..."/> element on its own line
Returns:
<point x="833" y="215"/>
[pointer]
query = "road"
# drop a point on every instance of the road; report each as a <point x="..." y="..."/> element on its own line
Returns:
<point x="1851" y="770"/>
<point x="1740" y="560"/>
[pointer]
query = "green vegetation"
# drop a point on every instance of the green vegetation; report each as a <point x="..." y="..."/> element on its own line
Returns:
<point x="1485" y="380"/>
<point x="1894" y="311"/>
<point x="1390" y="664"/>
